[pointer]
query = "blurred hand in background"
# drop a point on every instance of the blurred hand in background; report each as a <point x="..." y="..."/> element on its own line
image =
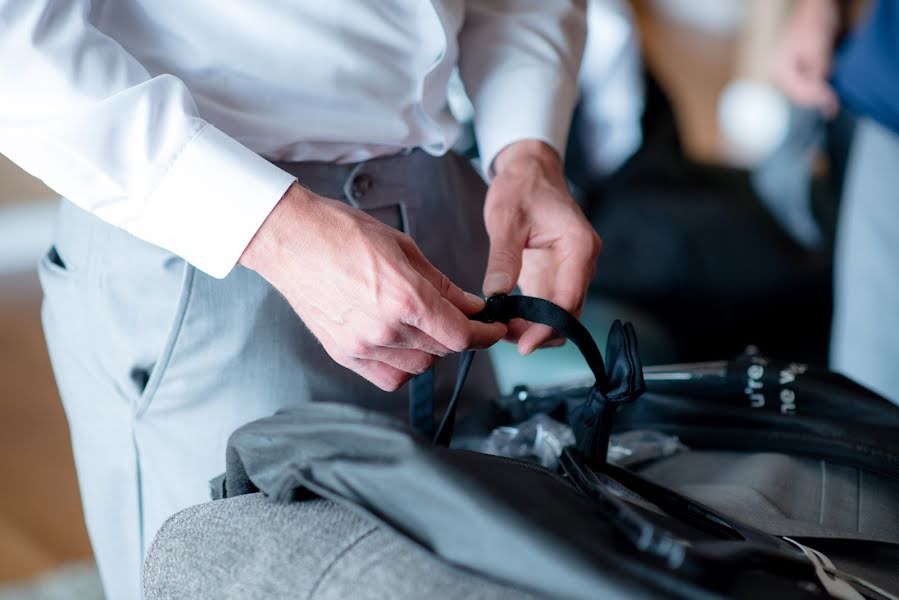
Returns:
<point x="802" y="63"/>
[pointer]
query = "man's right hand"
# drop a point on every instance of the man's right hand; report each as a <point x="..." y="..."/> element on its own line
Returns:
<point x="364" y="289"/>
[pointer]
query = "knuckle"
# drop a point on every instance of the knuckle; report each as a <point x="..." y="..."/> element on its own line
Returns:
<point x="583" y="235"/>
<point x="588" y="239"/>
<point x="408" y="311"/>
<point x="385" y="335"/>
<point x="407" y="302"/>
<point x="503" y="215"/>
<point x="356" y="348"/>
<point x="410" y="304"/>
<point x="505" y="255"/>
<point x="505" y="252"/>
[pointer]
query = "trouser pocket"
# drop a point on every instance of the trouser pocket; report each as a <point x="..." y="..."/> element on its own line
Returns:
<point x="112" y="306"/>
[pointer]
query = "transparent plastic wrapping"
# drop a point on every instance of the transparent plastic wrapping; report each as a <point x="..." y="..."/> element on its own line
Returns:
<point x="642" y="445"/>
<point x="541" y="438"/>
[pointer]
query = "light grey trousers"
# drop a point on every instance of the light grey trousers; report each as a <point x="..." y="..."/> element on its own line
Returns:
<point x="157" y="363"/>
<point x="865" y="334"/>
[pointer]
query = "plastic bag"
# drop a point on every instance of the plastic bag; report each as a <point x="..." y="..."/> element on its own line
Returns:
<point x="640" y="446"/>
<point x="541" y="438"/>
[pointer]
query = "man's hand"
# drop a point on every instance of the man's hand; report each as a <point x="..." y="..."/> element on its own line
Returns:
<point x="539" y="238"/>
<point x="803" y="61"/>
<point x="364" y="289"/>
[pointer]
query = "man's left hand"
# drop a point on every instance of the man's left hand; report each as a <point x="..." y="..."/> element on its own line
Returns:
<point x="539" y="237"/>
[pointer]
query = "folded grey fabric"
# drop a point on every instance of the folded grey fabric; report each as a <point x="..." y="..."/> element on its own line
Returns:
<point x="787" y="495"/>
<point x="249" y="548"/>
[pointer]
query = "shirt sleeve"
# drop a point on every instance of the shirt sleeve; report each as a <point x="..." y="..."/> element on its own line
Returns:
<point x="82" y="114"/>
<point x="519" y="61"/>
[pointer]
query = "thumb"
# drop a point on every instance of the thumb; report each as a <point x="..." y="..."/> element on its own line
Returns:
<point x="504" y="265"/>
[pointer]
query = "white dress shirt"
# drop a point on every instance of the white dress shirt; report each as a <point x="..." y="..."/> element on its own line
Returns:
<point x="154" y="114"/>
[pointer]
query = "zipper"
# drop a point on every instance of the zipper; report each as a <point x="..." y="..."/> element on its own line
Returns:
<point x="536" y="467"/>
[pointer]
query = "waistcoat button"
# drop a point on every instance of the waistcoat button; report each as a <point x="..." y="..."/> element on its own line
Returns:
<point x="360" y="185"/>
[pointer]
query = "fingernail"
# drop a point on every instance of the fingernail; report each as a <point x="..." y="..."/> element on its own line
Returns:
<point x="496" y="283"/>
<point x="474" y="301"/>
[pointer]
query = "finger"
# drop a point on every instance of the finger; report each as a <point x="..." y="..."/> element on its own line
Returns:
<point x="574" y="271"/>
<point x="516" y="328"/>
<point x="467" y="302"/>
<point x="438" y="318"/>
<point x="396" y="335"/>
<point x="830" y="103"/>
<point x="508" y="238"/>
<point x="810" y="92"/>
<point x="384" y="376"/>
<point x="814" y="94"/>
<point x="536" y="336"/>
<point x="406" y="360"/>
<point x="822" y="97"/>
<point x="572" y="276"/>
<point x="415" y="339"/>
<point x="465" y="334"/>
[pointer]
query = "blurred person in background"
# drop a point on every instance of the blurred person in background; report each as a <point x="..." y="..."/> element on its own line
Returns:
<point x="611" y="89"/>
<point x="864" y="77"/>
<point x="689" y="245"/>
<point x="235" y="176"/>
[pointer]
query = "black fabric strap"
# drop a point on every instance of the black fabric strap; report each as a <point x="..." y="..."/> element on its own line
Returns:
<point x="500" y="308"/>
<point x="619" y="381"/>
<point x="421" y="403"/>
<point x="592" y="420"/>
<point x="503" y="308"/>
<point x="444" y="433"/>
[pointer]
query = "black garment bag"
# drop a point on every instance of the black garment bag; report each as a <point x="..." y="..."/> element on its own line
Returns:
<point x="590" y="530"/>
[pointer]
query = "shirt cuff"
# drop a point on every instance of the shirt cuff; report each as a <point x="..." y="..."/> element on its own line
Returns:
<point x="523" y="103"/>
<point x="211" y="202"/>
